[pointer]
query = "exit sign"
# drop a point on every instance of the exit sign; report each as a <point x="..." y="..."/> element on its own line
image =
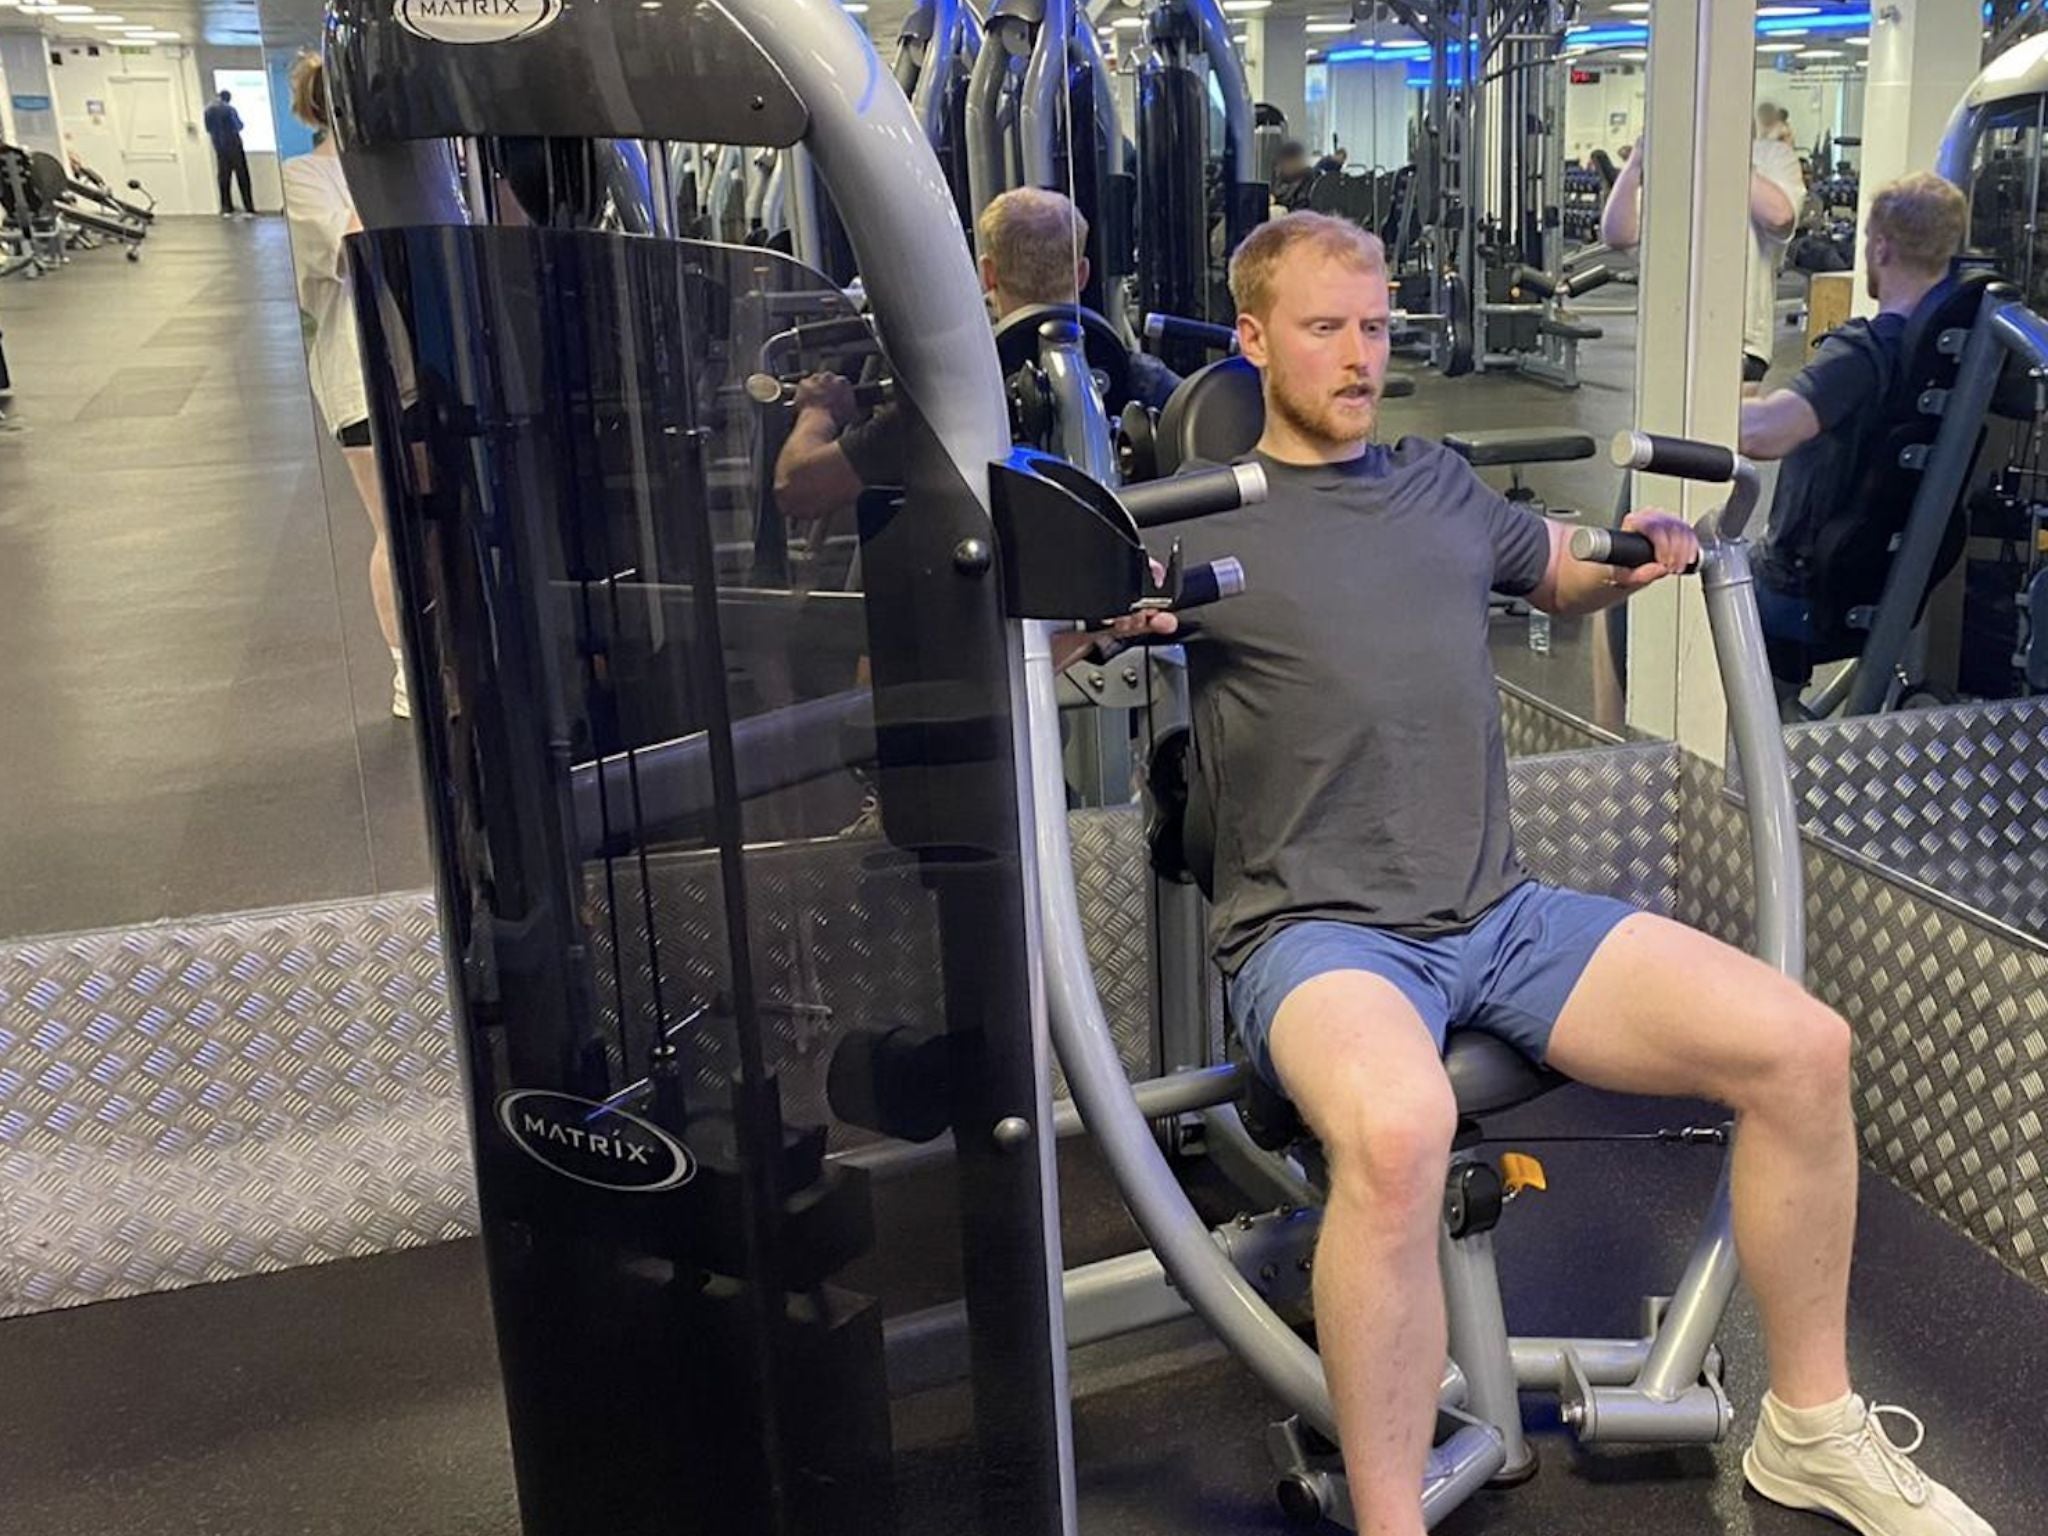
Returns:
<point x="1585" y="77"/>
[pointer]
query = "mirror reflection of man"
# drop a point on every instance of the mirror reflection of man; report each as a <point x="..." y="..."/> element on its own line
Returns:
<point x="1829" y="423"/>
<point x="1033" y="245"/>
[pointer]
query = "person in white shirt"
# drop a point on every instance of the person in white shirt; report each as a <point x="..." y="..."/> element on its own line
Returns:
<point x="1776" y="189"/>
<point x="320" y="213"/>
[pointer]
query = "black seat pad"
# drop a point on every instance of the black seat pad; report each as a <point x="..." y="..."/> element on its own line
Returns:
<point x="1520" y="445"/>
<point x="1487" y="1075"/>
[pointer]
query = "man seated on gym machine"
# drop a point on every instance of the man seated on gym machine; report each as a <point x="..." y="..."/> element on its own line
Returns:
<point x="1369" y="900"/>
<point x="1829" y="423"/>
<point x="1031" y="253"/>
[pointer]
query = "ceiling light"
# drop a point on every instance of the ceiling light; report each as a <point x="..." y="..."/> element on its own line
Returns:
<point x="1788" y="10"/>
<point x="1819" y="53"/>
<point x="1857" y="42"/>
<point x="1793" y="32"/>
<point x="1779" y="47"/>
<point x="1329" y="26"/>
<point x="68" y="10"/>
<point x="109" y="21"/>
<point x="857" y="8"/>
<point x="1632" y="7"/>
<point x="1247" y="5"/>
<point x="1632" y="55"/>
<point x="1128" y="23"/>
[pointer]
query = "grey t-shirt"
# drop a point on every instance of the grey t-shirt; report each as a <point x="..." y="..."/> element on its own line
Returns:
<point x="1347" y="723"/>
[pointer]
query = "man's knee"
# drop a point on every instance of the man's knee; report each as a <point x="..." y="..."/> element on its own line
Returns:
<point x="1368" y="1077"/>
<point x="1389" y="1148"/>
<point x="1809" y="1064"/>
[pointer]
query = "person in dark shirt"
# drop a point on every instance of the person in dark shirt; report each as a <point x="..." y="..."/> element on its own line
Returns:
<point x="230" y="160"/>
<point x="1369" y="902"/>
<point x="1829" y="423"/>
<point x="1030" y="245"/>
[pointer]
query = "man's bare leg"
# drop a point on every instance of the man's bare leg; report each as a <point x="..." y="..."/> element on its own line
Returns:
<point x="1663" y="1009"/>
<point x="1366" y="1075"/>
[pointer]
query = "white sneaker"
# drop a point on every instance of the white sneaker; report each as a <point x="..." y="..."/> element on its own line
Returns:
<point x="1856" y="1473"/>
<point x="401" y="697"/>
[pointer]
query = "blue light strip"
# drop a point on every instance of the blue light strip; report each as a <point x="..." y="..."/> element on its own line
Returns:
<point x="1631" y="34"/>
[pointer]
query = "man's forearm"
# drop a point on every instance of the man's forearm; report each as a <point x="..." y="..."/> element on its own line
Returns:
<point x="1583" y="588"/>
<point x="803" y="468"/>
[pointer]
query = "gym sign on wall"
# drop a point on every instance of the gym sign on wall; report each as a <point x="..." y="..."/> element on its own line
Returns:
<point x="591" y="1144"/>
<point x="475" y="21"/>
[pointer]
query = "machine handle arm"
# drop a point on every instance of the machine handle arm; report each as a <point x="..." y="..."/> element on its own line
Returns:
<point x="1685" y="458"/>
<point x="1201" y="494"/>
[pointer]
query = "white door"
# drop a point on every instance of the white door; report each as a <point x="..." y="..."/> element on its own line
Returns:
<point x="146" y="117"/>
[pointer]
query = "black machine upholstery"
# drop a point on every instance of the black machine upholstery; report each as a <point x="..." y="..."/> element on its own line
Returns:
<point x="1017" y="345"/>
<point x="1216" y="415"/>
<point x="1502" y="446"/>
<point x="1219" y="412"/>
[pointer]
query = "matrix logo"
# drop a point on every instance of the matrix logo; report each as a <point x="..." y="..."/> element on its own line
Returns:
<point x="475" y="21"/>
<point x="594" y="1145"/>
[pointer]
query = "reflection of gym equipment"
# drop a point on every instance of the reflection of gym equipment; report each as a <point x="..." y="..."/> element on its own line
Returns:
<point x="45" y="215"/>
<point x="1971" y="352"/>
<point x="1993" y="148"/>
<point x="1491" y="189"/>
<point x="936" y="50"/>
<point x="1525" y="326"/>
<point x="1197" y="199"/>
<point x="1040" y="112"/>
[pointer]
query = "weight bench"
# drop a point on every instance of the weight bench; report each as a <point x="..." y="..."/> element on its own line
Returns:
<point x="1569" y="330"/>
<point x="1510" y="448"/>
<point x="1507" y="447"/>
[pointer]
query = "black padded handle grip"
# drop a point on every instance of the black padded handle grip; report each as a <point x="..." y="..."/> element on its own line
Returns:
<point x="1680" y="457"/>
<point x="1201" y="494"/>
<point x="1217" y="338"/>
<point x="1615" y="546"/>
<point x="839" y="331"/>
<point x="1210" y="582"/>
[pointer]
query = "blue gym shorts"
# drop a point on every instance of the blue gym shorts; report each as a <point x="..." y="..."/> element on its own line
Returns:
<point x="1509" y="974"/>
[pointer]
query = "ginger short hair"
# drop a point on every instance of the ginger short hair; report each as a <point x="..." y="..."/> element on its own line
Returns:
<point x="1924" y="217"/>
<point x="1255" y="269"/>
<point x="309" y="91"/>
<point x="1034" y="237"/>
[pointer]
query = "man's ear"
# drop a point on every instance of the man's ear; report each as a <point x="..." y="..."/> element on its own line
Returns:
<point x="1251" y="339"/>
<point x="988" y="274"/>
<point x="1081" y="273"/>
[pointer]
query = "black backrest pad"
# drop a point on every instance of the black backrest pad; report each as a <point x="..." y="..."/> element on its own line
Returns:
<point x="1216" y="415"/>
